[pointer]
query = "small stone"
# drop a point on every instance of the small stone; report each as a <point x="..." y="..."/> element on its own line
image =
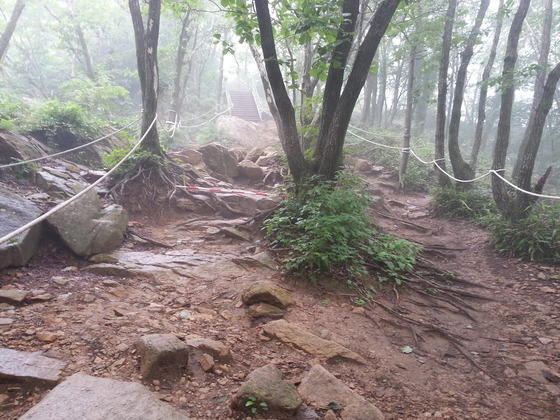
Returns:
<point x="330" y="415"/>
<point x="61" y="281"/>
<point x="110" y="283"/>
<point x="47" y="337"/>
<point x="42" y="298"/>
<point x="545" y="340"/>
<point x="6" y="321"/>
<point x="267" y="292"/>
<point x="219" y="351"/>
<point x="547" y="289"/>
<point x="89" y="298"/>
<point x="119" y="312"/>
<point x="358" y="310"/>
<point x="161" y="355"/>
<point x="70" y="268"/>
<point x="13" y="296"/>
<point x="122" y="347"/>
<point x="206" y="362"/>
<point x="227" y="315"/>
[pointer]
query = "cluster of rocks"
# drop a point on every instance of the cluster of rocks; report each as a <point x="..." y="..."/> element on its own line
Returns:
<point x="236" y="163"/>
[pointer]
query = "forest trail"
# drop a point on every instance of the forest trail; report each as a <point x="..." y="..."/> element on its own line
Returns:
<point x="513" y="334"/>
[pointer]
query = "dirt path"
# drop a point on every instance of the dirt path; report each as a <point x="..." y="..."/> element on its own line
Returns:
<point x="514" y="337"/>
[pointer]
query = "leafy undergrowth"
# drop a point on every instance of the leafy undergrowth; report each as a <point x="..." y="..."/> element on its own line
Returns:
<point x="535" y="238"/>
<point x="327" y="229"/>
<point x="465" y="205"/>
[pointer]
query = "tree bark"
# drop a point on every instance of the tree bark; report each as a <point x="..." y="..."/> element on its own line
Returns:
<point x="287" y="129"/>
<point x="138" y="26"/>
<point x="526" y="161"/>
<point x="483" y="95"/>
<point x="442" y="91"/>
<point x="146" y="56"/>
<point x="10" y="28"/>
<point x="405" y="154"/>
<point x="382" y="89"/>
<point x="462" y="169"/>
<point x="540" y="81"/>
<point x="499" y="190"/>
<point x="366" y="110"/>
<point x="179" y="63"/>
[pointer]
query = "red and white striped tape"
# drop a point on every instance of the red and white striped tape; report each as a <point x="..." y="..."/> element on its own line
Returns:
<point x="228" y="191"/>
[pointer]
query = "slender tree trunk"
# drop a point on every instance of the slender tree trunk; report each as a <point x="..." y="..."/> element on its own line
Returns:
<point x="396" y="95"/>
<point x="179" y="63"/>
<point x="462" y="169"/>
<point x="266" y="85"/>
<point x="484" y="87"/>
<point x="84" y="50"/>
<point x="442" y="91"/>
<point x="405" y="154"/>
<point x="499" y="190"/>
<point x="220" y="86"/>
<point x="139" y="32"/>
<point x="382" y="89"/>
<point x="526" y="161"/>
<point x="539" y="83"/>
<point x="287" y="129"/>
<point x="374" y="79"/>
<point x="366" y="110"/>
<point x="10" y="28"/>
<point x="146" y="55"/>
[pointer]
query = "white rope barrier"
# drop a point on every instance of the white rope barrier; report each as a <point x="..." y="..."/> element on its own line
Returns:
<point x="83" y="146"/>
<point x="435" y="163"/>
<point x="206" y="122"/>
<point x="39" y="219"/>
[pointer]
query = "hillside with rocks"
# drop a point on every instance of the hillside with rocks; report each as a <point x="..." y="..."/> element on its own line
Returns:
<point x="185" y="314"/>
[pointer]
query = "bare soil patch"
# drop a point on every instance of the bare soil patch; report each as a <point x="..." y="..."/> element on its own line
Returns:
<point x="512" y="334"/>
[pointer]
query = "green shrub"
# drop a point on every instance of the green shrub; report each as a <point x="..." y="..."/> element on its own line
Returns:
<point x="12" y="109"/>
<point x="465" y="205"/>
<point x="535" y="238"/>
<point x="327" y="228"/>
<point x="140" y="159"/>
<point x="64" y="125"/>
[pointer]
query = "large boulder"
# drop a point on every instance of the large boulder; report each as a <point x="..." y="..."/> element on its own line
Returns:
<point x="87" y="228"/>
<point x="251" y="170"/>
<point x="88" y="398"/>
<point x="16" y="146"/>
<point x="15" y="212"/>
<point x="219" y="160"/>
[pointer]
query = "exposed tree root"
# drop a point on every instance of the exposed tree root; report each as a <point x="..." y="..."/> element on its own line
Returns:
<point x="150" y="240"/>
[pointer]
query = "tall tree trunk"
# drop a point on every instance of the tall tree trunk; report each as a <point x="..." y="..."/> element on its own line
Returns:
<point x="371" y="119"/>
<point x="84" y="50"/>
<point x="179" y="63"/>
<point x="442" y="91"/>
<point x="396" y="95"/>
<point x="462" y="169"/>
<point x="366" y="110"/>
<point x="540" y="81"/>
<point x="499" y="189"/>
<point x="405" y="154"/>
<point x="308" y="85"/>
<point x="10" y="28"/>
<point x="220" y="86"/>
<point x="526" y="161"/>
<point x="481" y="116"/>
<point x="382" y="88"/>
<point x="287" y="129"/>
<point x="139" y="32"/>
<point x="146" y="56"/>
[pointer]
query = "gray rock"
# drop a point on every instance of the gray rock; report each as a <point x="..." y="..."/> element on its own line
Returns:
<point x="321" y="388"/>
<point x="251" y="170"/>
<point x="219" y="351"/>
<point x="363" y="166"/>
<point x="218" y="159"/>
<point x="15" y="212"/>
<point x="254" y="154"/>
<point x="162" y="356"/>
<point x="87" y="228"/>
<point x="16" y="146"/>
<point x="267" y="292"/>
<point x="301" y="338"/>
<point x="267" y="160"/>
<point x="189" y="156"/>
<point x="29" y="367"/>
<point x="13" y="296"/>
<point x="266" y="385"/>
<point x="88" y="398"/>
<point x="239" y="153"/>
<point x="51" y="182"/>
<point x="236" y="234"/>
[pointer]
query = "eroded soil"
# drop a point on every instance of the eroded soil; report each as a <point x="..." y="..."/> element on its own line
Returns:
<point x="514" y="324"/>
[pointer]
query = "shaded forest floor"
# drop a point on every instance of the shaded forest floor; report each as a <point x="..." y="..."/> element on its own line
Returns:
<point x="506" y="368"/>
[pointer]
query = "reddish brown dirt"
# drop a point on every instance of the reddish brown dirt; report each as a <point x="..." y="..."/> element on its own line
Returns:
<point x="435" y="380"/>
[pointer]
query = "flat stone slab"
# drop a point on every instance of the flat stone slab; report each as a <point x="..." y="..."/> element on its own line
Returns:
<point x="301" y="338"/>
<point x="267" y="292"/>
<point x="13" y="296"/>
<point x="19" y="365"/>
<point x="88" y="398"/>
